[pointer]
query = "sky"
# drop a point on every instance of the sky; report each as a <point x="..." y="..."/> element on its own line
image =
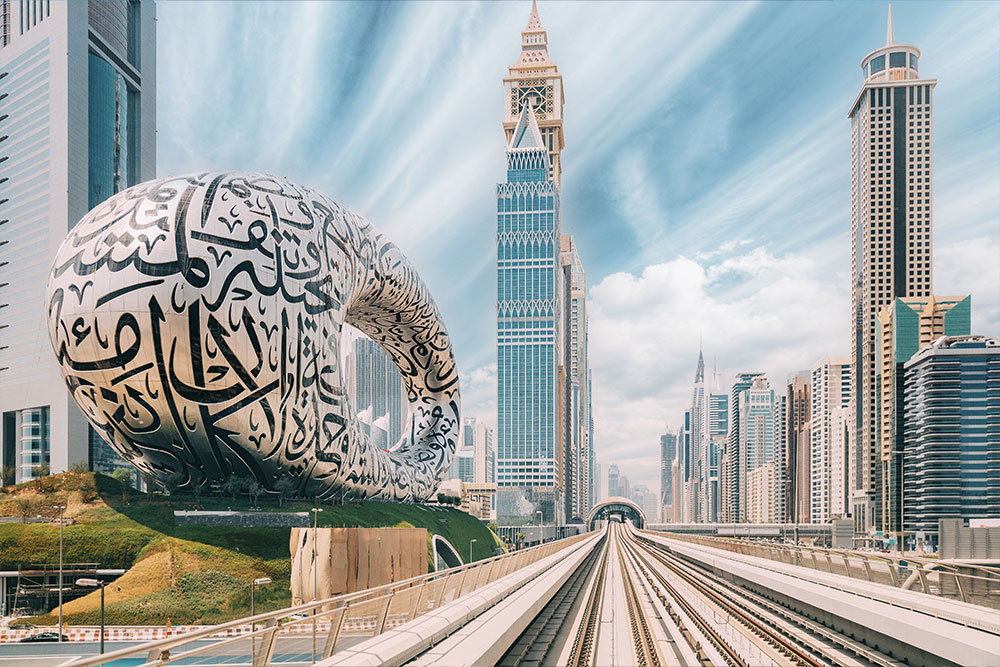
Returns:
<point x="706" y="173"/>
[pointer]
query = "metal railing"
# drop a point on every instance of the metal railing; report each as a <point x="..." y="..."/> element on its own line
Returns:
<point x="327" y="622"/>
<point x="941" y="578"/>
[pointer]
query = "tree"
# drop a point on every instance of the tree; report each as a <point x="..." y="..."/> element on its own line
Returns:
<point x="173" y="482"/>
<point x="286" y="488"/>
<point x="79" y="467"/>
<point x="9" y="474"/>
<point x="254" y="489"/>
<point x="233" y="486"/>
<point x="43" y="470"/>
<point x="25" y="507"/>
<point x="123" y="476"/>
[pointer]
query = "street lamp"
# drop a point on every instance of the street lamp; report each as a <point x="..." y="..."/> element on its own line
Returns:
<point x="61" y="508"/>
<point x="541" y="531"/>
<point x="470" y="549"/>
<point x="315" y="511"/>
<point x="92" y="583"/>
<point x="262" y="581"/>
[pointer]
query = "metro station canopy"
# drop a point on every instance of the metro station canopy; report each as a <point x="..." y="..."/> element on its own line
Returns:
<point x="616" y="505"/>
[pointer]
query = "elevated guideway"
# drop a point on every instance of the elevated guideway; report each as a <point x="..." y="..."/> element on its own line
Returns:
<point x="614" y="596"/>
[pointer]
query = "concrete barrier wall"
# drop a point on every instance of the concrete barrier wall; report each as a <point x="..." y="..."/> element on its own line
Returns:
<point x="244" y="519"/>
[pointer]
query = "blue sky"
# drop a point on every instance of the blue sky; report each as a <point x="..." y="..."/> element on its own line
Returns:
<point x="706" y="174"/>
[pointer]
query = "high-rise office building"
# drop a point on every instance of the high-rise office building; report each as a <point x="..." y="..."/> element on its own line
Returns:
<point x="829" y="396"/>
<point x="951" y="466"/>
<point x="891" y="212"/>
<point x="576" y="393"/>
<point x="478" y="438"/>
<point x="759" y="425"/>
<point x="530" y="371"/>
<point x="697" y="445"/>
<point x="798" y="463"/>
<point x="377" y="390"/>
<point x="668" y="452"/>
<point x="614" y="481"/>
<point x="731" y="494"/>
<point x="907" y="325"/>
<point x="714" y="433"/>
<point x="79" y="108"/>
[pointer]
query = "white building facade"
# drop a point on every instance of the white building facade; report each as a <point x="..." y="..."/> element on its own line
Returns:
<point x="830" y="393"/>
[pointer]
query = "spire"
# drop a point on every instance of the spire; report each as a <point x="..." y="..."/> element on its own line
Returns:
<point x="888" y="30"/>
<point x="534" y="42"/>
<point x="526" y="133"/>
<point x="699" y="375"/>
<point x="534" y="24"/>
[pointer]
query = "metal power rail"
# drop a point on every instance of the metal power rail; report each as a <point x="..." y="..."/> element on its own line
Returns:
<point x="647" y="654"/>
<point x="586" y="634"/>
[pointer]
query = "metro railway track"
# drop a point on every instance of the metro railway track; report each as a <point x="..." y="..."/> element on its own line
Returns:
<point x="633" y="602"/>
<point x="646" y="652"/>
<point x="776" y="639"/>
<point x="586" y="635"/>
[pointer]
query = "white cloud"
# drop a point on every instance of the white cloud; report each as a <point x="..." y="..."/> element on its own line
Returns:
<point x="479" y="394"/>
<point x="972" y="267"/>
<point x="754" y="312"/>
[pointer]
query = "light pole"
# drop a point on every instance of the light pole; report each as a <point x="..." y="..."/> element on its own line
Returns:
<point x="253" y="626"/>
<point x="94" y="583"/>
<point x="315" y="511"/>
<point x="61" y="508"/>
<point x="541" y="531"/>
<point x="470" y="549"/>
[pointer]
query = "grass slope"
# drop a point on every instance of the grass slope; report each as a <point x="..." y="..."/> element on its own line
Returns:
<point x="184" y="574"/>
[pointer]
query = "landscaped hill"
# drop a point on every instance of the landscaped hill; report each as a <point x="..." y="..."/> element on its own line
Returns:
<point x="183" y="574"/>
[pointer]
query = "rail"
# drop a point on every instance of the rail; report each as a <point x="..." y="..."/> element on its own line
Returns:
<point x="940" y="578"/>
<point x="364" y="613"/>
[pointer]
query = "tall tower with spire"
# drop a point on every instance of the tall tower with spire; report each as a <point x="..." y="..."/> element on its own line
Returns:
<point x="891" y="213"/>
<point x="534" y="80"/>
<point x="530" y="456"/>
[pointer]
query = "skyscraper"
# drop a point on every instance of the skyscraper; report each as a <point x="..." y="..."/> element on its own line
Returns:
<point x="377" y="391"/>
<point x="907" y="325"/>
<point x="829" y="397"/>
<point x="478" y="437"/>
<point x="714" y="432"/>
<point x="576" y="399"/>
<point x="697" y="446"/>
<point x="732" y="499"/>
<point x="797" y="447"/>
<point x="758" y="419"/>
<point x="951" y="467"/>
<point x="891" y="231"/>
<point x="614" y="488"/>
<point x="531" y="402"/>
<point x="79" y="104"/>
<point x="668" y="451"/>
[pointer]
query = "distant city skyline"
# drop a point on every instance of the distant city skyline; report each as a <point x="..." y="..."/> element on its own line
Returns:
<point x="708" y="186"/>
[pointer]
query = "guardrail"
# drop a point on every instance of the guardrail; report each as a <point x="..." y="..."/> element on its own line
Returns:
<point x="363" y="614"/>
<point x="942" y="578"/>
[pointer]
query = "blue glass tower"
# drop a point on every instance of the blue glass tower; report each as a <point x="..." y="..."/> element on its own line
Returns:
<point x="528" y="311"/>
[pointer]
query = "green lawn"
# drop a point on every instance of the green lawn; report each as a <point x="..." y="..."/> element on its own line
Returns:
<point x="208" y="565"/>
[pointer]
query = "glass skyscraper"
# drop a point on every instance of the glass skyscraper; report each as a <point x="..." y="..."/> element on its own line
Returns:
<point x="951" y="465"/>
<point x="528" y="246"/>
<point x="79" y="118"/>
